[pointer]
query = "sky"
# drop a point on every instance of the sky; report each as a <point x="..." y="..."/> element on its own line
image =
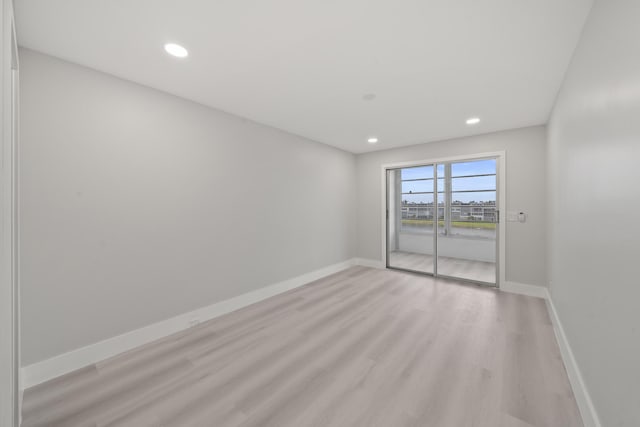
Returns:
<point x="460" y="184"/>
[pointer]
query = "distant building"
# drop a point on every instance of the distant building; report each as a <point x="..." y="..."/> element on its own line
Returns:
<point x="471" y="211"/>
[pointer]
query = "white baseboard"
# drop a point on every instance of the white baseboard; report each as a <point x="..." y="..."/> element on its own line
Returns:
<point x="45" y="370"/>
<point x="523" y="289"/>
<point x="583" y="399"/>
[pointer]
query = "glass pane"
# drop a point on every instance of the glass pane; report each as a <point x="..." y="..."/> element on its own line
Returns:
<point x="411" y="218"/>
<point x="477" y="230"/>
<point x="417" y="186"/>
<point x="412" y="199"/>
<point x="418" y="217"/>
<point x="476" y="197"/>
<point x="476" y="167"/>
<point x="441" y="215"/>
<point x="417" y="172"/>
<point x="467" y="237"/>
<point x="474" y="183"/>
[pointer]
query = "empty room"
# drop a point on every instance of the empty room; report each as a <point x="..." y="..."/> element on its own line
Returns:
<point x="318" y="213"/>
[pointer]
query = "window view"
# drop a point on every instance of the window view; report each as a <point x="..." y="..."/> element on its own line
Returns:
<point x="417" y="210"/>
<point x="462" y="207"/>
<point x="472" y="210"/>
<point x="473" y="199"/>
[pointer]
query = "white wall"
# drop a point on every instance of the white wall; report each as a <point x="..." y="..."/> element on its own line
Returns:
<point x="594" y="153"/>
<point x="138" y="206"/>
<point x="525" y="153"/>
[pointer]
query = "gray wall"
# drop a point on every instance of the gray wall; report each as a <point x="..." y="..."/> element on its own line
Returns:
<point x="138" y="206"/>
<point x="594" y="153"/>
<point x="525" y="151"/>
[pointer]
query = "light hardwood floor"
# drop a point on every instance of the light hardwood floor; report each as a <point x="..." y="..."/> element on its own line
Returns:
<point x="363" y="347"/>
<point x="455" y="267"/>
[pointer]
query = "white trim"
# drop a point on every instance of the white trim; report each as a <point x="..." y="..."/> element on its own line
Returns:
<point x="501" y="157"/>
<point x="523" y="289"/>
<point x="45" y="370"/>
<point x="411" y="163"/>
<point x="583" y="399"/>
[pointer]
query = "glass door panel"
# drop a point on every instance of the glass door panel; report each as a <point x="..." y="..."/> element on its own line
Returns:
<point x="410" y="218"/>
<point x="466" y="244"/>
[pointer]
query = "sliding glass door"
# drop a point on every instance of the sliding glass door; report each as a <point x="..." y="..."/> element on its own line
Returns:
<point x="442" y="219"/>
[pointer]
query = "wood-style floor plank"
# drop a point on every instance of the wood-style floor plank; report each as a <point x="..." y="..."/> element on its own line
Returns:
<point x="363" y="347"/>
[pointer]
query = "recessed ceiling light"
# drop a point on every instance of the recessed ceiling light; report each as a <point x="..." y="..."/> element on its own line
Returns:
<point x="369" y="96"/>
<point x="473" y="121"/>
<point x="372" y="140"/>
<point x="176" y="50"/>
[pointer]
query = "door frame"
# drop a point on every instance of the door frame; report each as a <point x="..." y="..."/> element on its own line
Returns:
<point x="501" y="161"/>
<point x="10" y="387"/>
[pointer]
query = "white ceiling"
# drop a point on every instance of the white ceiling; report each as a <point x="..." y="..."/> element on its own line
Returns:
<point x="304" y="66"/>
